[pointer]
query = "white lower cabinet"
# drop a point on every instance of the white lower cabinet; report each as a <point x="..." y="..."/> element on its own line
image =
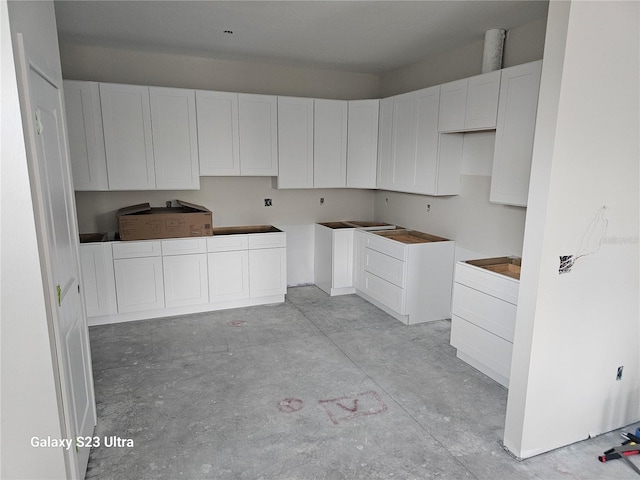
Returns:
<point x="98" y="282"/>
<point x="139" y="284"/>
<point x="405" y="273"/>
<point x="483" y="320"/>
<point x="267" y="272"/>
<point x="158" y="278"/>
<point x="333" y="259"/>
<point x="186" y="280"/>
<point x="228" y="276"/>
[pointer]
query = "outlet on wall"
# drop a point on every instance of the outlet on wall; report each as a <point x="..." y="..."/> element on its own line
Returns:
<point x="267" y="202"/>
<point x="321" y="200"/>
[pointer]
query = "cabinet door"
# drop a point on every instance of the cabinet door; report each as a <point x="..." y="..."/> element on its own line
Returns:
<point x="295" y="142"/>
<point x="517" y="112"/>
<point x="362" y="143"/>
<point x="185" y="280"/>
<point x="267" y="272"/>
<point x="175" y="138"/>
<point x="98" y="283"/>
<point x="218" y="141"/>
<point x="385" y="134"/>
<point x="427" y="102"/>
<point x="139" y="284"/>
<point x="403" y="142"/>
<point x="482" y="101"/>
<point x="330" y="144"/>
<point x="228" y="276"/>
<point x="258" y="131"/>
<point x="342" y="258"/>
<point x="126" y="119"/>
<point x="453" y="102"/>
<point x="86" y="138"/>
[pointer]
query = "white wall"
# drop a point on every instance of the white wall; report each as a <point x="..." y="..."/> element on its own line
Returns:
<point x="574" y="330"/>
<point x="120" y="65"/>
<point x="28" y="393"/>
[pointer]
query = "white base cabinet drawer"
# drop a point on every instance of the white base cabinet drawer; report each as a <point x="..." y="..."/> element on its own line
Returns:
<point x="139" y="284"/>
<point x="386" y="293"/>
<point x="491" y="283"/>
<point x="388" y="268"/>
<point x="185" y="280"/>
<point x="146" y="248"/>
<point x="481" y="349"/>
<point x="228" y="276"/>
<point x="485" y="311"/>
<point x="388" y="247"/>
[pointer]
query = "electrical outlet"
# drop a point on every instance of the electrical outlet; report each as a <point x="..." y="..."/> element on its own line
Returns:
<point x="321" y="200"/>
<point x="619" y="373"/>
<point x="428" y="208"/>
<point x="268" y="202"/>
<point x="386" y="202"/>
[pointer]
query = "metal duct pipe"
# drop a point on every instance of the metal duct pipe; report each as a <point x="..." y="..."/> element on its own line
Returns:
<point x="493" y="49"/>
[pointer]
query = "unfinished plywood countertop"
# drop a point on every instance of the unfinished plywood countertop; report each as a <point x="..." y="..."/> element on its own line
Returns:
<point x="410" y="236"/>
<point x="508" y="266"/>
<point x="246" y="229"/>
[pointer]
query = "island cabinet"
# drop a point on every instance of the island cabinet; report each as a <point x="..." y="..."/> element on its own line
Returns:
<point x="485" y="298"/>
<point x="406" y="273"/>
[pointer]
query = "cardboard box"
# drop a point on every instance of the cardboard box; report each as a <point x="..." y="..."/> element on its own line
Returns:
<point x="141" y="222"/>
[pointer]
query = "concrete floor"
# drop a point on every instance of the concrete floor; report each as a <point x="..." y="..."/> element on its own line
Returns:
<point x="315" y="388"/>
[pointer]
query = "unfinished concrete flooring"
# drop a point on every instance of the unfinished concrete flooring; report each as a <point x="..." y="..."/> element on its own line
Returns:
<point x="316" y="388"/>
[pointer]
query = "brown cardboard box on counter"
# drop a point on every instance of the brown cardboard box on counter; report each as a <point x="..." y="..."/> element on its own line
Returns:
<point x="141" y="222"/>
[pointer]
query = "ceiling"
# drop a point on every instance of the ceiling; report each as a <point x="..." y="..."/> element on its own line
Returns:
<point x="359" y="36"/>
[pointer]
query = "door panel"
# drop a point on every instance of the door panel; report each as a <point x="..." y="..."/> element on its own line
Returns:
<point x="59" y="238"/>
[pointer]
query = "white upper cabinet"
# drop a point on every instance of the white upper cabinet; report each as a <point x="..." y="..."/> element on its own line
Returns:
<point x="218" y="140"/>
<point x="295" y="142"/>
<point x="482" y="101"/>
<point x="469" y="104"/>
<point x="362" y="143"/>
<point x="385" y="132"/>
<point x="175" y="138"/>
<point x="258" y="131"/>
<point x="415" y="158"/>
<point x="86" y="138"/>
<point x="330" y="144"/>
<point x="453" y="104"/>
<point x="126" y="119"/>
<point x="514" y="134"/>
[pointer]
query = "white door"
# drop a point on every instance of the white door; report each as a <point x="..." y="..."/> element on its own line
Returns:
<point x="139" y="284"/>
<point x="56" y="216"/>
<point x="385" y="134"/>
<point x="403" y="142"/>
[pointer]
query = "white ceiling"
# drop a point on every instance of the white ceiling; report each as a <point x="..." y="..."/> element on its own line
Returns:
<point x="358" y="36"/>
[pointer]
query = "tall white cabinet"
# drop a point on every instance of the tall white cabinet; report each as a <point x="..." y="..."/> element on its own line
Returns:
<point x="515" y="129"/>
